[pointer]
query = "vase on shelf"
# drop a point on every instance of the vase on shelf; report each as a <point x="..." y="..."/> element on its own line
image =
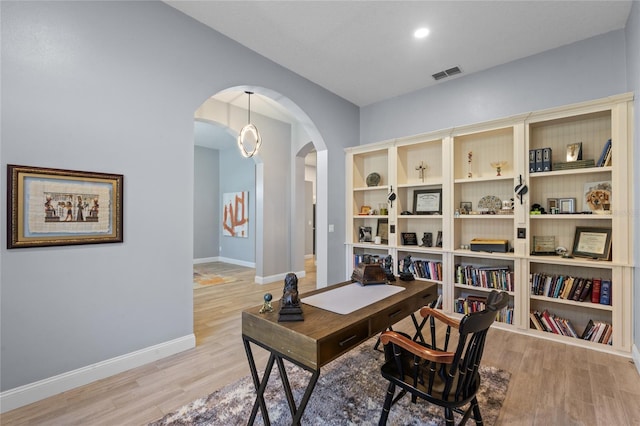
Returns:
<point x="498" y="165"/>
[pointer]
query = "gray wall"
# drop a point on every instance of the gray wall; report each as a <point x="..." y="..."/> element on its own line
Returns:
<point x="113" y="87"/>
<point x="585" y="70"/>
<point x="632" y="32"/>
<point x="237" y="174"/>
<point x="206" y="202"/>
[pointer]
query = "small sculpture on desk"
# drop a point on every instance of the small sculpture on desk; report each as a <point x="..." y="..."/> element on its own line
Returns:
<point x="388" y="265"/>
<point x="266" y="306"/>
<point x="405" y="274"/>
<point x="290" y="309"/>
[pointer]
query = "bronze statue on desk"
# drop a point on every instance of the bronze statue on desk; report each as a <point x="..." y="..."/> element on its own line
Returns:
<point x="290" y="309"/>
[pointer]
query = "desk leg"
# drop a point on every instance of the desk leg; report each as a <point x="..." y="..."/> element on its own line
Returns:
<point x="296" y="412"/>
<point x="260" y="386"/>
<point x="418" y="335"/>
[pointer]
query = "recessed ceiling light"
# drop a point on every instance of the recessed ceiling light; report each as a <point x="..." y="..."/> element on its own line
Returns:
<point x="421" y="33"/>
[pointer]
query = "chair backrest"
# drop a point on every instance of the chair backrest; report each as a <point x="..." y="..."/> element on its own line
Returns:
<point x="473" y="332"/>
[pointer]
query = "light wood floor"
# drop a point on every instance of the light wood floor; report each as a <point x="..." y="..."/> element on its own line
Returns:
<point x="551" y="383"/>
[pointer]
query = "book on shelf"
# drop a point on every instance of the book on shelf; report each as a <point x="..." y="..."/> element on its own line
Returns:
<point x="471" y="303"/>
<point x="603" y="155"/>
<point x="598" y="331"/>
<point x="595" y="291"/>
<point x="496" y="277"/>
<point x="586" y="291"/>
<point x="605" y="292"/>
<point x="551" y="323"/>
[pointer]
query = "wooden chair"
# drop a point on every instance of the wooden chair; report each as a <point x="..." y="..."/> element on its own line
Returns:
<point x="445" y="378"/>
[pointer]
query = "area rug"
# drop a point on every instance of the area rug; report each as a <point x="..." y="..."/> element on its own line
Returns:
<point x="202" y="279"/>
<point x="350" y="391"/>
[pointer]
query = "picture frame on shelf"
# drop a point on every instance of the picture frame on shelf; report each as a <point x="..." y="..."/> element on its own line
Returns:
<point x="439" y="239"/>
<point x="465" y="207"/>
<point x="427" y="201"/>
<point x="57" y="207"/>
<point x="592" y="243"/>
<point x="597" y="197"/>
<point x="364" y="234"/>
<point x="574" y="151"/>
<point x="552" y="205"/>
<point x="409" y="239"/>
<point x="544" y="245"/>
<point x="383" y="230"/>
<point x="566" y="205"/>
<point x="365" y="210"/>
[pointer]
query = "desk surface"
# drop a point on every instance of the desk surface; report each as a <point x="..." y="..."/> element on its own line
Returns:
<point x="325" y="335"/>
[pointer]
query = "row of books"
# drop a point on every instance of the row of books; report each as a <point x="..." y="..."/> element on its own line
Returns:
<point x="594" y="290"/>
<point x="605" y="155"/>
<point x="421" y="268"/>
<point x="469" y="304"/>
<point x="595" y="331"/>
<point x="497" y="277"/>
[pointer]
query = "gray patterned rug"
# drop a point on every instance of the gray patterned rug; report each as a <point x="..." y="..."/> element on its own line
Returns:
<point x="350" y="391"/>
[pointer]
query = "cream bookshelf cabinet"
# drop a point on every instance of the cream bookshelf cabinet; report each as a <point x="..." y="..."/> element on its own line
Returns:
<point x="459" y="166"/>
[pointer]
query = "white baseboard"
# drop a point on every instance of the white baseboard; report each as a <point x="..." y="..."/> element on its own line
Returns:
<point x="237" y="262"/>
<point x="206" y="260"/>
<point x="635" y="354"/>
<point x="27" y="394"/>
<point x="277" y="277"/>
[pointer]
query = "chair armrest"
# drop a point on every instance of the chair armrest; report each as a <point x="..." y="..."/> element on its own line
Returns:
<point x="433" y="355"/>
<point x="452" y="322"/>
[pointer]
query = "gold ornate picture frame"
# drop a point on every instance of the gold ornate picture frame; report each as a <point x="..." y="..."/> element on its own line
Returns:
<point x="56" y="207"/>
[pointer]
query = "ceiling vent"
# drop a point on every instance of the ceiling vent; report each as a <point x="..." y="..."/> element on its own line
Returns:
<point x="446" y="73"/>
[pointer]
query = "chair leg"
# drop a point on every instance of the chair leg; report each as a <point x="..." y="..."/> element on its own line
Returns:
<point x="476" y="411"/>
<point x="448" y="416"/>
<point x="391" y="390"/>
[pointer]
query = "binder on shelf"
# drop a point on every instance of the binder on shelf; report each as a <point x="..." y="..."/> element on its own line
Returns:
<point x="532" y="161"/>
<point x="538" y="160"/>
<point x="546" y="159"/>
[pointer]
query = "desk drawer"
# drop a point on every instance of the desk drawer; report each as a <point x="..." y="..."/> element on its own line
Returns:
<point x="342" y="342"/>
<point x="387" y="317"/>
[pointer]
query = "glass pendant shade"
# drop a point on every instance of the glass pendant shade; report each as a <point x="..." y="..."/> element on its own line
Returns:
<point x="249" y="139"/>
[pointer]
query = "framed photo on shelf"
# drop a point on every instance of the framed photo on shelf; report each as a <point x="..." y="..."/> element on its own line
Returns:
<point x="574" y="151"/>
<point x="592" y="242"/>
<point x="364" y="234"/>
<point x="597" y="197"/>
<point x="465" y="207"/>
<point x="427" y="201"/>
<point x="566" y="205"/>
<point x="383" y="230"/>
<point x="409" y="239"/>
<point x="544" y="245"/>
<point x="56" y="207"/>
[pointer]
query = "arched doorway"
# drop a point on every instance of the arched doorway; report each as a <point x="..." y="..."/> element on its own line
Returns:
<point x="228" y="108"/>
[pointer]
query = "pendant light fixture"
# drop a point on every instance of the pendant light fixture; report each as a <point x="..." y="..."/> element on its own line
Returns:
<point x="249" y="135"/>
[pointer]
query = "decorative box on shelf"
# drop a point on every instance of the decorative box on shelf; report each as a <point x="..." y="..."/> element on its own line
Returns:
<point x="481" y="244"/>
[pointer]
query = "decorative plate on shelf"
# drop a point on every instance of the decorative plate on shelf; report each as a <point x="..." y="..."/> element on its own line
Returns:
<point x="490" y="203"/>
<point x="373" y="179"/>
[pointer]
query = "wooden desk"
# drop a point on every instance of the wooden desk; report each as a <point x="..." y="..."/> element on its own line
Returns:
<point x="322" y="337"/>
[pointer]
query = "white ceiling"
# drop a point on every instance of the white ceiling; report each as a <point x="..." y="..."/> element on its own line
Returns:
<point x="364" y="51"/>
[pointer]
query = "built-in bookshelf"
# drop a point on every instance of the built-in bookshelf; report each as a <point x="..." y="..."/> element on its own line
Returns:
<point x="449" y="200"/>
